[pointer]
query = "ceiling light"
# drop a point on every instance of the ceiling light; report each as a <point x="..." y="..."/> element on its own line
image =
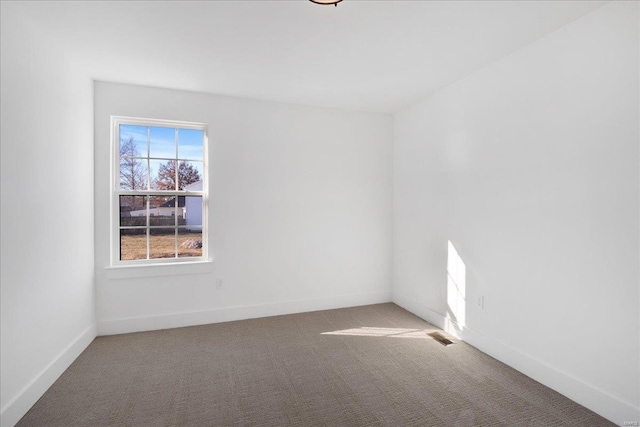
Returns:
<point x="333" y="2"/>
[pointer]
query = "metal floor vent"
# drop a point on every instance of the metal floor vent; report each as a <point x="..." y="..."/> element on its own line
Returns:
<point x="440" y="338"/>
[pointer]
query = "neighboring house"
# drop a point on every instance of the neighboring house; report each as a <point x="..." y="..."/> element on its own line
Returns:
<point x="193" y="207"/>
<point x="165" y="209"/>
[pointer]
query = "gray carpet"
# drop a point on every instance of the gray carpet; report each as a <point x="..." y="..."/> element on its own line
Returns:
<point x="362" y="366"/>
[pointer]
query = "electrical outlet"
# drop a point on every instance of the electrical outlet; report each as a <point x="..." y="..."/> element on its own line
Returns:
<point x="481" y="302"/>
<point x="219" y="283"/>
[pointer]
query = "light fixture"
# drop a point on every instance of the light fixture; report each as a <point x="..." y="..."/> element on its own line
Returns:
<point x="333" y="2"/>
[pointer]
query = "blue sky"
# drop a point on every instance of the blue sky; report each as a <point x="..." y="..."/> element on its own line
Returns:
<point x="162" y="144"/>
<point x="162" y="141"/>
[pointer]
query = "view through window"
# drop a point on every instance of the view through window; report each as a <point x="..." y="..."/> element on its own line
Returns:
<point x="160" y="192"/>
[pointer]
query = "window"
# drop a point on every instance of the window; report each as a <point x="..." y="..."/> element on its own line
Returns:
<point x="160" y="199"/>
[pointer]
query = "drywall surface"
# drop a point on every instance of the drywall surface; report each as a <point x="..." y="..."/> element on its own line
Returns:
<point x="47" y="214"/>
<point x="530" y="169"/>
<point x="299" y="215"/>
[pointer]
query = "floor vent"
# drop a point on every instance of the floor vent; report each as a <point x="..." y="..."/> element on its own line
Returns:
<point x="440" y="338"/>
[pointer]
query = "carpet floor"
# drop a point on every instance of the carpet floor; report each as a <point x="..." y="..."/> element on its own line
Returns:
<point x="363" y="366"/>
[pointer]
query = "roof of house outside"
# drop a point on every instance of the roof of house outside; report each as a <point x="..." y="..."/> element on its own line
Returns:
<point x="172" y="203"/>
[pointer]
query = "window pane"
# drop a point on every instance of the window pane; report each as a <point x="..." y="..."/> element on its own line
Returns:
<point x="133" y="211"/>
<point x="162" y="210"/>
<point x="133" y="244"/>
<point x="190" y="175"/>
<point x="193" y="213"/>
<point x="163" y="174"/>
<point x="189" y="243"/>
<point x="162" y="243"/>
<point x="162" y="142"/>
<point x="133" y="141"/>
<point x="133" y="173"/>
<point x="190" y="143"/>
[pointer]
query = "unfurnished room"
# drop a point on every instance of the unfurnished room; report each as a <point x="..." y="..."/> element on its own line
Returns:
<point x="320" y="213"/>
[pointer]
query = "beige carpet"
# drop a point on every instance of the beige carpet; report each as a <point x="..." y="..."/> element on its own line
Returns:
<point x="363" y="366"/>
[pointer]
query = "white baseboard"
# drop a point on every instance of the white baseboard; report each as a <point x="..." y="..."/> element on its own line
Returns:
<point x="29" y="395"/>
<point x="599" y="401"/>
<point x="178" y="320"/>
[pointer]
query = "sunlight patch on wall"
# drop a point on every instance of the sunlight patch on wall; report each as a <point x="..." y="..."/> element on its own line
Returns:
<point x="456" y="287"/>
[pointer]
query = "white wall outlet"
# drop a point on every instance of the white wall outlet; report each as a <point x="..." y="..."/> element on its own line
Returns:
<point x="481" y="301"/>
<point x="219" y="283"/>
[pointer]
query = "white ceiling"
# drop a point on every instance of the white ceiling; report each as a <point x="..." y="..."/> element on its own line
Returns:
<point x="363" y="55"/>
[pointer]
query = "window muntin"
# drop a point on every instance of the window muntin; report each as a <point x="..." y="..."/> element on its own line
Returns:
<point x="159" y="191"/>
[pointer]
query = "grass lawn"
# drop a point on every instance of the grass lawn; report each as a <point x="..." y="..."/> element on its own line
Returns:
<point x="160" y="246"/>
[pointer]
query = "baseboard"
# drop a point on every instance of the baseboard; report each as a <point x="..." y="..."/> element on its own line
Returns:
<point x="178" y="320"/>
<point x="599" y="401"/>
<point x="29" y="395"/>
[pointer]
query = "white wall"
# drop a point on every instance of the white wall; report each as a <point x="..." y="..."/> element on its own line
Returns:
<point x="530" y="168"/>
<point x="300" y="215"/>
<point x="47" y="298"/>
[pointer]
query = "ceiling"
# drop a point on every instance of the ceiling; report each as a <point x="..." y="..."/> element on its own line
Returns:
<point x="364" y="55"/>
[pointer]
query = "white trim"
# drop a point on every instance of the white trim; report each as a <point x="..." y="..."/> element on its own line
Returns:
<point x="178" y="267"/>
<point x="587" y="395"/>
<point x="161" y="122"/>
<point x="178" y="320"/>
<point x="29" y="395"/>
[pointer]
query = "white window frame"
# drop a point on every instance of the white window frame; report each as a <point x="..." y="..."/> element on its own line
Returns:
<point x="116" y="192"/>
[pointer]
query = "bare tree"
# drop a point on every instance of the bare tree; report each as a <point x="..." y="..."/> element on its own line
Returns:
<point x="133" y="175"/>
<point x="166" y="180"/>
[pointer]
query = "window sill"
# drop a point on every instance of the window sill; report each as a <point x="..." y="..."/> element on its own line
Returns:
<point x="157" y="270"/>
